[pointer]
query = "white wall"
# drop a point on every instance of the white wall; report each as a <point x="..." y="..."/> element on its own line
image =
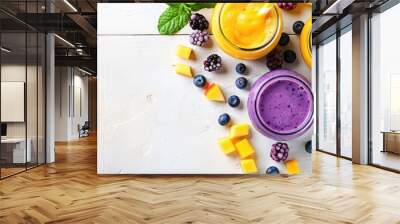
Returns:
<point x="69" y="82"/>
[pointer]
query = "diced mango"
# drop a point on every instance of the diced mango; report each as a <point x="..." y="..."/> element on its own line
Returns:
<point x="244" y="148"/>
<point x="184" y="70"/>
<point x="249" y="166"/>
<point x="214" y="93"/>
<point x="227" y="145"/>
<point x="292" y="167"/>
<point x="239" y="131"/>
<point x="183" y="51"/>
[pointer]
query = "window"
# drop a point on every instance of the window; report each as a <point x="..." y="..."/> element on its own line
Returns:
<point x="346" y="75"/>
<point x="327" y="96"/>
<point x="385" y="90"/>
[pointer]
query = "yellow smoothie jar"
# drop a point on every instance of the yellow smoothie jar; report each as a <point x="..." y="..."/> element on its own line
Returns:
<point x="305" y="43"/>
<point x="247" y="30"/>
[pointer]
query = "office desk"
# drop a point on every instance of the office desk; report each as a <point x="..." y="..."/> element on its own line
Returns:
<point x="13" y="150"/>
<point x="391" y="141"/>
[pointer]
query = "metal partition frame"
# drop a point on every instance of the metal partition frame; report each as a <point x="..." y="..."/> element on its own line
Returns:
<point x="30" y="29"/>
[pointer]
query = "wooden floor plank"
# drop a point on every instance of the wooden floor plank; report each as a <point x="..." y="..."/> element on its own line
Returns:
<point x="70" y="191"/>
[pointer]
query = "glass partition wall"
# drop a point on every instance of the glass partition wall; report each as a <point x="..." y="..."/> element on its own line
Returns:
<point x="22" y="98"/>
<point x="327" y="79"/>
<point x="345" y="91"/>
<point x="334" y="94"/>
<point x="385" y="90"/>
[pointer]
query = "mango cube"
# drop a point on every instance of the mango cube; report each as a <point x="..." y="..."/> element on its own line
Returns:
<point x="183" y="51"/>
<point x="184" y="70"/>
<point x="244" y="148"/>
<point x="214" y="93"/>
<point x="239" y="131"/>
<point x="227" y="145"/>
<point x="249" y="166"/>
<point x="292" y="167"/>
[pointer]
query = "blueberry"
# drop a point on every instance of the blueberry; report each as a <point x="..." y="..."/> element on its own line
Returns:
<point x="224" y="119"/>
<point x="241" y="68"/>
<point x="308" y="147"/>
<point x="241" y="82"/>
<point x="233" y="101"/>
<point x="298" y="26"/>
<point x="272" y="170"/>
<point x="289" y="56"/>
<point x="199" y="81"/>
<point x="284" y="39"/>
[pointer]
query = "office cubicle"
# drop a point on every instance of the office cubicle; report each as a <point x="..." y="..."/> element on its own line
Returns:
<point x="22" y="91"/>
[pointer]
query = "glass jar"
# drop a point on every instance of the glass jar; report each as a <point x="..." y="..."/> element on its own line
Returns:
<point x="280" y="105"/>
<point x="247" y="30"/>
<point x="306" y="43"/>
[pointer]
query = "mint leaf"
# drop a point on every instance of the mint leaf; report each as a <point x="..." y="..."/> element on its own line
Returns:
<point x="173" y="19"/>
<point x="173" y="4"/>
<point x="197" y="6"/>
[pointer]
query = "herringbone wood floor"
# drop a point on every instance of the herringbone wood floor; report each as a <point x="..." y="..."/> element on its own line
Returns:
<point x="70" y="191"/>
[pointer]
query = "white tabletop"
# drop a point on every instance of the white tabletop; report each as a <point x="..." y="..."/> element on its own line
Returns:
<point x="152" y="121"/>
<point x="13" y="140"/>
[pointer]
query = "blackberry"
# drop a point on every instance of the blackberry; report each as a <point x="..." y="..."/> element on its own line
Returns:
<point x="213" y="63"/>
<point x="199" y="38"/>
<point x="284" y="39"/>
<point x="287" y="6"/>
<point x="297" y="27"/>
<point x="274" y="60"/>
<point x="198" y="22"/>
<point x="289" y="56"/>
<point x="279" y="151"/>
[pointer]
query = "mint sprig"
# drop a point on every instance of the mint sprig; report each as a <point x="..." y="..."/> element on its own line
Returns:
<point x="173" y="19"/>
<point x="177" y="15"/>
<point x="197" y="6"/>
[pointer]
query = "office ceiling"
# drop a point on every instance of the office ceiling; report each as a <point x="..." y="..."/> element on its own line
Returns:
<point x="76" y="22"/>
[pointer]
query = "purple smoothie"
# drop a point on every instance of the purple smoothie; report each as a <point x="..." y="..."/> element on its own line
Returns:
<point x="280" y="104"/>
<point x="283" y="106"/>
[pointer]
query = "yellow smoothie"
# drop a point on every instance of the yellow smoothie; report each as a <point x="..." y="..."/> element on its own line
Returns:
<point x="247" y="30"/>
<point x="305" y="43"/>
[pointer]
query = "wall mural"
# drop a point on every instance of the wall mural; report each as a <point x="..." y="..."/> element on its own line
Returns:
<point x="204" y="88"/>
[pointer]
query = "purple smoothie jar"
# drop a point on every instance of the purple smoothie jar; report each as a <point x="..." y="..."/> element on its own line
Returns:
<point x="280" y="105"/>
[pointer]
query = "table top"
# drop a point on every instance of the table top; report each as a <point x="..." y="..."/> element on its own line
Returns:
<point x="152" y="121"/>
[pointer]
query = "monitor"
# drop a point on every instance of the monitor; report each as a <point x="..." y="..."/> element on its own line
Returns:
<point x="3" y="129"/>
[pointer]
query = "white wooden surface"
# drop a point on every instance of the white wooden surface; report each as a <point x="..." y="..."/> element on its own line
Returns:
<point x="152" y="121"/>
